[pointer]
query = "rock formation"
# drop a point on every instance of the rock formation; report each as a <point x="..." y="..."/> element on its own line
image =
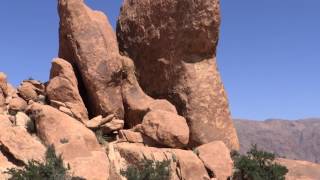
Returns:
<point x="63" y="87"/>
<point x="88" y="42"/>
<point x="173" y="45"/>
<point x="77" y="144"/>
<point x="96" y="115"/>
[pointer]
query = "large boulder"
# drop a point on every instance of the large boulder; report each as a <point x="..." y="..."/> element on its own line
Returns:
<point x="173" y="45"/>
<point x="28" y="91"/>
<point x="63" y="87"/>
<point x="137" y="103"/>
<point x="216" y="157"/>
<point x="88" y="42"/>
<point x="77" y="144"/>
<point x="184" y="164"/>
<point x="166" y="128"/>
<point x="17" y="104"/>
<point x="19" y="143"/>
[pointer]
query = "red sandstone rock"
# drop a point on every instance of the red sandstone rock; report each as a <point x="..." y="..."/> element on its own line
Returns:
<point x="173" y="46"/>
<point x="77" y="144"/>
<point x="63" y="87"/>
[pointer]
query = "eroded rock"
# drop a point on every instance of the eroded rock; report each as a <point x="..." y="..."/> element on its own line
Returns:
<point x="63" y="87"/>
<point x="28" y="91"/>
<point x="77" y="144"/>
<point x="216" y="158"/>
<point x="166" y="128"/>
<point x="17" y="104"/>
<point x="88" y="42"/>
<point x="184" y="164"/>
<point x="173" y="46"/>
<point x="19" y="143"/>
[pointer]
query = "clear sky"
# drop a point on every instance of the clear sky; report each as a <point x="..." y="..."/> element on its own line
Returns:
<point x="268" y="56"/>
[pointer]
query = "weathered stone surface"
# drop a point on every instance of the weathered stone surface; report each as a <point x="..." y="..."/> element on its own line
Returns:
<point x="28" y="91"/>
<point x="216" y="158"/>
<point x="63" y="87"/>
<point x="114" y="125"/>
<point x="2" y="102"/>
<point x="89" y="43"/>
<point x="17" y="104"/>
<point x="77" y="144"/>
<point x="166" y="128"/>
<point x="190" y="165"/>
<point x="130" y="136"/>
<point x="184" y="164"/>
<point x="3" y="92"/>
<point x="3" y="84"/>
<point x="19" y="143"/>
<point x="173" y="45"/>
<point x="39" y="87"/>
<point x="21" y="120"/>
<point x="66" y="111"/>
<point x="96" y="122"/>
<point x="4" y="166"/>
<point x="300" y="169"/>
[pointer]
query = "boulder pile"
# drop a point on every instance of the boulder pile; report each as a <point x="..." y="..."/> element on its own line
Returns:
<point x="150" y="91"/>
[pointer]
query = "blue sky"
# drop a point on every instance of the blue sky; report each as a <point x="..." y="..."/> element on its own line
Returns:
<point x="268" y="55"/>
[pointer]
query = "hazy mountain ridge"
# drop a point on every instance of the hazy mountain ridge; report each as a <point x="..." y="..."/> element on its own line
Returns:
<point x="299" y="139"/>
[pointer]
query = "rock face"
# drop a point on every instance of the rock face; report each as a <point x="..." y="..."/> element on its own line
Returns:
<point x="216" y="158"/>
<point x="137" y="103"/>
<point x="63" y="87"/>
<point x="89" y="44"/>
<point x="184" y="164"/>
<point x="4" y="166"/>
<point x="166" y="128"/>
<point x="173" y="45"/>
<point x="77" y="144"/>
<point x="19" y="143"/>
<point x="301" y="169"/>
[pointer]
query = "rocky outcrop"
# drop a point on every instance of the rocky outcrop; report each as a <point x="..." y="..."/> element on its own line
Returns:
<point x="77" y="144"/>
<point x="136" y="102"/>
<point x="17" y="142"/>
<point x="3" y="92"/>
<point x="166" y="128"/>
<point x="216" y="158"/>
<point x="173" y="45"/>
<point x="63" y="87"/>
<point x="301" y="169"/>
<point x="184" y="164"/>
<point x="17" y="104"/>
<point x="5" y="164"/>
<point x="88" y="42"/>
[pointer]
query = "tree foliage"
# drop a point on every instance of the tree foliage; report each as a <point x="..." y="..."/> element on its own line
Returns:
<point x="52" y="169"/>
<point x="148" y="170"/>
<point x="257" y="165"/>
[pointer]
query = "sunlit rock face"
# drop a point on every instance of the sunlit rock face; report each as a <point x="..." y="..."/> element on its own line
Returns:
<point x="173" y="45"/>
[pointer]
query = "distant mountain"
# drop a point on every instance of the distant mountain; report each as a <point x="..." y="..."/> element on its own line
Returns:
<point x="298" y="139"/>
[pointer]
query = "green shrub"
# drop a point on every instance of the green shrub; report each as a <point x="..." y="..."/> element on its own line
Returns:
<point x="51" y="169"/>
<point x="148" y="170"/>
<point x="257" y="165"/>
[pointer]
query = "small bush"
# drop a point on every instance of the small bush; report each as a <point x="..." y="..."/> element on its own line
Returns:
<point x="148" y="170"/>
<point x="257" y="165"/>
<point x="51" y="169"/>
